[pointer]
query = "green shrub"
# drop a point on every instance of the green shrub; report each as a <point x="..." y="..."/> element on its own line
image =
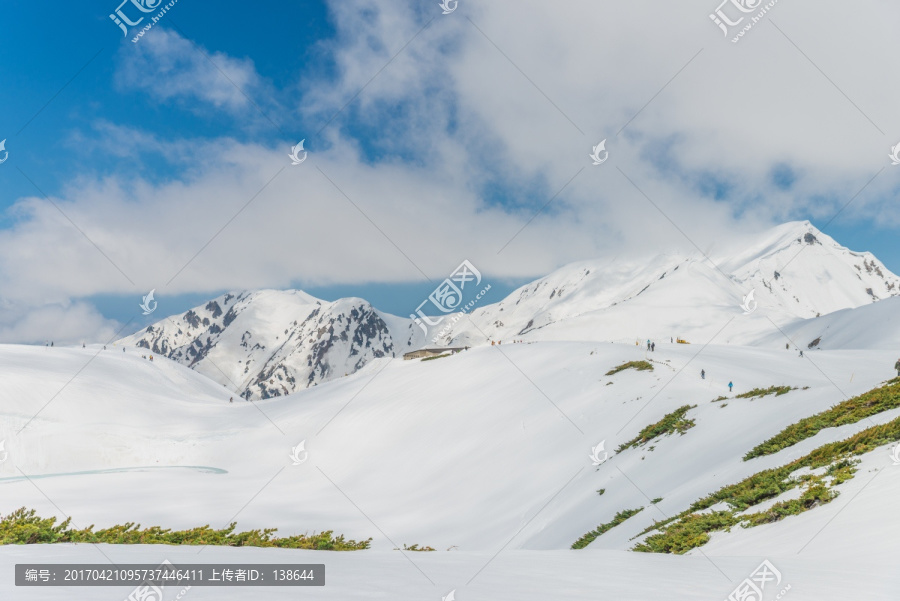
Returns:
<point x="759" y="392"/>
<point x="689" y="532"/>
<point x="690" y="529"/>
<point x="23" y="527"/>
<point x="849" y="412"/>
<point x="638" y="365"/>
<point x="620" y="517"/>
<point x="670" y="423"/>
<point x="416" y="547"/>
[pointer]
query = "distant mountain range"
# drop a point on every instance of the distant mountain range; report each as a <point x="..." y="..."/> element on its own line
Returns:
<point x="270" y="343"/>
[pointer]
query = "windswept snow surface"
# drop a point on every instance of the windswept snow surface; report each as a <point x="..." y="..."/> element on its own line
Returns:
<point x="485" y="453"/>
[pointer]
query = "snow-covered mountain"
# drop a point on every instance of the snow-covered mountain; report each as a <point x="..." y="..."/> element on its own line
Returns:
<point x="271" y="343"/>
<point x="794" y="271"/>
<point x="489" y="453"/>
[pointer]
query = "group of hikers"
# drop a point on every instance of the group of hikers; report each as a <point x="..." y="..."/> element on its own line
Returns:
<point x="651" y="346"/>
<point x="83" y="345"/>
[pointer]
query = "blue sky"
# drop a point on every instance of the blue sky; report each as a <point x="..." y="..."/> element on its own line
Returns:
<point x="445" y="135"/>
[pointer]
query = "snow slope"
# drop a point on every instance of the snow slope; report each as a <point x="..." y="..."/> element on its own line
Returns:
<point x="875" y="326"/>
<point x="485" y="452"/>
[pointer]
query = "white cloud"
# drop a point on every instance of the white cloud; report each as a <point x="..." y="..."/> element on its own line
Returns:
<point x="169" y="67"/>
<point x="61" y="323"/>
<point x="466" y="122"/>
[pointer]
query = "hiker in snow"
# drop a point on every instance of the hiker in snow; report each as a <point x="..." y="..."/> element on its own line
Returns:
<point x="702" y="374"/>
<point x="730" y="385"/>
<point x="801" y="353"/>
<point x="231" y="400"/>
<point x="82" y="345"/>
<point x="671" y="340"/>
<point x="787" y="346"/>
<point x="897" y="367"/>
<point x="51" y="343"/>
<point x="648" y="345"/>
<point x="653" y="347"/>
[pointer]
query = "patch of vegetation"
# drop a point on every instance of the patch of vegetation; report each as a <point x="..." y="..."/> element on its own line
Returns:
<point x="721" y="398"/>
<point x="848" y="412"/>
<point x="23" y="527"/>
<point x="723" y="405"/>
<point x="656" y="500"/>
<point x="601" y="491"/>
<point x="416" y="547"/>
<point x="620" y="517"/>
<point x="436" y="357"/>
<point x="759" y="392"/>
<point x="638" y="365"/>
<point x="691" y="529"/>
<point x="672" y="422"/>
<point x="687" y="533"/>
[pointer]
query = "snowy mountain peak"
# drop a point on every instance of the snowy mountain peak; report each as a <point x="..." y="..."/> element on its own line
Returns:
<point x="271" y="342"/>
<point x="809" y="271"/>
<point x="797" y="272"/>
